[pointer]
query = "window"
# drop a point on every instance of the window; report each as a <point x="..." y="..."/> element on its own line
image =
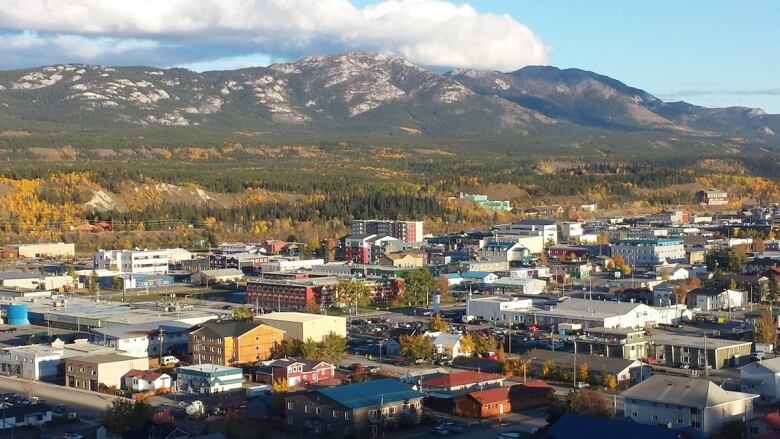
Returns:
<point x="290" y="405"/>
<point x="335" y="414"/>
<point x="317" y="410"/>
<point x="93" y="372"/>
<point x="346" y="416"/>
<point x="306" y="408"/>
<point x="290" y="420"/>
<point x="372" y="414"/>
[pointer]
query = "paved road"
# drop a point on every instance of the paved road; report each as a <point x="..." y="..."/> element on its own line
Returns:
<point x="89" y="405"/>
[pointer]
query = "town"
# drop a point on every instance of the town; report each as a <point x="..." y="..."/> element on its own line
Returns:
<point x="661" y="325"/>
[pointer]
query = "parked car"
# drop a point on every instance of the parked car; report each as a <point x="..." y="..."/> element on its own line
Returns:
<point x="439" y="431"/>
<point x="581" y="385"/>
<point x="69" y="435"/>
<point x="453" y="427"/>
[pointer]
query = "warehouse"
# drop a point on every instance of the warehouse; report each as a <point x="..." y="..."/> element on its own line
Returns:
<point x="303" y="326"/>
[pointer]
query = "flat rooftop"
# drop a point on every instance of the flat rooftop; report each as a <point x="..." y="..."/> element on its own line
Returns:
<point x="296" y="317"/>
<point x="694" y="341"/>
<point x="17" y="335"/>
<point x="206" y="368"/>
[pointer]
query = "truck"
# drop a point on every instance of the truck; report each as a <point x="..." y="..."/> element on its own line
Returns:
<point x="255" y="391"/>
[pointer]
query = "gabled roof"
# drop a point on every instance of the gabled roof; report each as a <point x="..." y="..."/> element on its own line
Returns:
<point x="229" y="328"/>
<point x="572" y="425"/>
<point x="772" y="364"/>
<point x="687" y="392"/>
<point x="461" y="379"/>
<point x="371" y="393"/>
<point x="490" y="396"/>
<point x="145" y="375"/>
<point x="308" y="365"/>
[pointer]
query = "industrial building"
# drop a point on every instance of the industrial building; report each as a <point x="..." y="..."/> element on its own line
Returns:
<point x="303" y="326"/>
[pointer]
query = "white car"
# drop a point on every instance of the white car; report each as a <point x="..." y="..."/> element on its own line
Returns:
<point x="169" y="359"/>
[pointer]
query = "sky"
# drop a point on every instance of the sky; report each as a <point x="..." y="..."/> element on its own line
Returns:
<point x="708" y="52"/>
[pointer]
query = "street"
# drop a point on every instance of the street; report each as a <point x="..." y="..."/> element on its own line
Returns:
<point x="89" y="405"/>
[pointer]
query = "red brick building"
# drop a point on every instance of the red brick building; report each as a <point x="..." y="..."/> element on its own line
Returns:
<point x="288" y="294"/>
<point x="484" y="403"/>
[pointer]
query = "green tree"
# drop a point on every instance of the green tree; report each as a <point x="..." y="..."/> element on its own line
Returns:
<point x="310" y="349"/>
<point x="414" y="347"/>
<point x="289" y="347"/>
<point x="333" y="348"/>
<point x="241" y="313"/>
<point x="438" y="324"/>
<point x="353" y="294"/>
<point x="125" y="415"/>
<point x="418" y="285"/>
<point x="92" y="283"/>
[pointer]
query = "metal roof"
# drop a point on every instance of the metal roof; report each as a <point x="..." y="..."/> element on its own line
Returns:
<point x="683" y="391"/>
<point x="371" y="393"/>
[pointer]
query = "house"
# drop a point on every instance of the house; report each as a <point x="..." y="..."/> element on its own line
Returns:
<point x="144" y="380"/>
<point x="446" y="345"/>
<point x="484" y="403"/>
<point x="209" y="378"/>
<point x="764" y="427"/>
<point x="304" y="326"/>
<point x="92" y="372"/>
<point x="230" y="342"/>
<point x="355" y="410"/>
<point x="531" y="394"/>
<point x="218" y="276"/>
<point x="671" y="272"/>
<point x="679" y="402"/>
<point x="573" y="425"/>
<point x="503" y="251"/>
<point x="482" y="277"/>
<point x="295" y="372"/>
<point x="462" y="380"/>
<point x="713" y="299"/>
<point x="403" y="260"/>
<point x="28" y="415"/>
<point x="763" y="378"/>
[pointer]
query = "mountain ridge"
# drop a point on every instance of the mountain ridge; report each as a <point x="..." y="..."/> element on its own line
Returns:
<point x="357" y="93"/>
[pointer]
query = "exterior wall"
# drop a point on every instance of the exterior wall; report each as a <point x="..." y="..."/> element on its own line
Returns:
<point x="132" y="261"/>
<point x="327" y="418"/>
<point x="255" y="345"/>
<point x="52" y="250"/>
<point x="314" y="329"/>
<point x="770" y="382"/>
<point x="647" y="253"/>
<point x="466" y="406"/>
<point x="649" y="413"/>
<point x="86" y="375"/>
<point x="198" y="382"/>
<point x="141" y="385"/>
<point x="280" y="294"/>
<point x="671" y="355"/>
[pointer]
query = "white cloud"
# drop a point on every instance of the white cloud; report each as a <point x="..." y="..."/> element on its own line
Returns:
<point x="429" y="32"/>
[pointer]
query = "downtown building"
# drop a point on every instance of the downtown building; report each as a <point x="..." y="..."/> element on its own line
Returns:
<point x="408" y="231"/>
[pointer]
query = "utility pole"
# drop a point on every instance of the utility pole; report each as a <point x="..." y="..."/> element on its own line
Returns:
<point x="575" y="364"/>
<point x="160" y="334"/>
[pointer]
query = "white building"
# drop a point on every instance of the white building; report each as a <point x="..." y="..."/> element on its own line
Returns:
<point x="282" y="264"/>
<point x="34" y="362"/>
<point x="547" y="229"/>
<point x="649" y="252"/>
<point x="132" y="261"/>
<point x="520" y="286"/>
<point x="145" y="339"/>
<point x="178" y="254"/>
<point x="142" y="381"/>
<point x="680" y="402"/>
<point x="571" y="230"/>
<point x="503" y="252"/>
<point x="495" y="309"/>
<point x="46" y="250"/>
<point x="763" y="378"/>
<point x="706" y="299"/>
<point x="447" y="345"/>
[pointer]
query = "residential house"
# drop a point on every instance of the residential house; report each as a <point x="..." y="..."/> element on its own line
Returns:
<point x="367" y="409"/>
<point x="762" y="377"/>
<point x="295" y="372"/>
<point x="232" y="342"/>
<point x="484" y="403"/>
<point x="714" y="299"/>
<point x="446" y="345"/>
<point x="573" y="425"/>
<point x="469" y="379"/>
<point x="679" y="402"/>
<point x="480" y="277"/>
<point x="94" y="371"/>
<point x="144" y="380"/>
<point x="764" y="427"/>
<point x="208" y="379"/>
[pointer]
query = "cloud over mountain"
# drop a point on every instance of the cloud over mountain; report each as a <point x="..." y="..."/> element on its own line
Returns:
<point x="435" y="33"/>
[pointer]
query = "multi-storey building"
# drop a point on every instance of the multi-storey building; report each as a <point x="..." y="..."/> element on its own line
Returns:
<point x="369" y="249"/>
<point x="233" y="342"/>
<point x="409" y="231"/>
<point x="649" y="252"/>
<point x="679" y="402"/>
<point x="132" y="261"/>
<point x="712" y="197"/>
<point x="91" y="372"/>
<point x="357" y="410"/>
<point x="547" y="229"/>
<point x="295" y="294"/>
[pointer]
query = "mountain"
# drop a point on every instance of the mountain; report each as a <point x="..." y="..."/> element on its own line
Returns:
<point x="351" y="95"/>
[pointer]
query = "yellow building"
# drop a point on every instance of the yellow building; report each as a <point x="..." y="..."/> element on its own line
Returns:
<point x="303" y="326"/>
<point x="231" y="342"/>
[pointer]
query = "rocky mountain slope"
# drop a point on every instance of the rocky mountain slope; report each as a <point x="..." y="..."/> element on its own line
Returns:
<point x="355" y="93"/>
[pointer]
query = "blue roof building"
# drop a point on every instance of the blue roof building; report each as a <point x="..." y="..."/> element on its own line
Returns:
<point x="572" y="425"/>
<point x="371" y="393"/>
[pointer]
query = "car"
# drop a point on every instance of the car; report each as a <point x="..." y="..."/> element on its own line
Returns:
<point x="69" y="435"/>
<point x="685" y="366"/>
<point x="439" y="431"/>
<point x="169" y="360"/>
<point x="581" y="384"/>
<point x="453" y="427"/>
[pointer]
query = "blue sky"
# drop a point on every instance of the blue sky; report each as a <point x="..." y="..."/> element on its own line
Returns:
<point x="712" y="53"/>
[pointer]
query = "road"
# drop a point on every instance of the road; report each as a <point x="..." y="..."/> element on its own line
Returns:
<point x="89" y="405"/>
